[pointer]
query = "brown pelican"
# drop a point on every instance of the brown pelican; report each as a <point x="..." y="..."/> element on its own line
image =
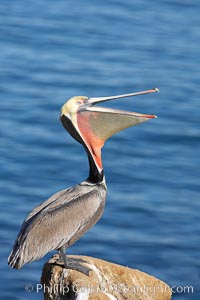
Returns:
<point x="61" y="220"/>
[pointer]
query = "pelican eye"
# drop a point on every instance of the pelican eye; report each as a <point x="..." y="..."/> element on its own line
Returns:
<point x="82" y="101"/>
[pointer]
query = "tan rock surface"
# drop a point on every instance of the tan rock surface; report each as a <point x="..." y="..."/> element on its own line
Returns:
<point x="99" y="280"/>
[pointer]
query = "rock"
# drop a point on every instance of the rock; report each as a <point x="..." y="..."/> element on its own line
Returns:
<point x="90" y="278"/>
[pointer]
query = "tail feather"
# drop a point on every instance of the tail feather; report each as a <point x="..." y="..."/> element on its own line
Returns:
<point x="14" y="257"/>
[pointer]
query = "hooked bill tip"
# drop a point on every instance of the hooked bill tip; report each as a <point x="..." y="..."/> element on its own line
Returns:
<point x="157" y="90"/>
<point x="151" y="116"/>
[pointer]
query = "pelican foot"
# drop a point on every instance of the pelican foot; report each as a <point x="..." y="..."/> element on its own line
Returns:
<point x="75" y="264"/>
<point x="72" y="264"/>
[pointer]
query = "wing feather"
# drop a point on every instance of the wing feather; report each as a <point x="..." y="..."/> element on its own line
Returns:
<point x="60" y="220"/>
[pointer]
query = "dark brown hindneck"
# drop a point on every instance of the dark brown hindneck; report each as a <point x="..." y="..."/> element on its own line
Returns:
<point x="94" y="175"/>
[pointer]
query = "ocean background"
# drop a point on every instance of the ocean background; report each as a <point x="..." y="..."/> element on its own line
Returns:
<point x="52" y="50"/>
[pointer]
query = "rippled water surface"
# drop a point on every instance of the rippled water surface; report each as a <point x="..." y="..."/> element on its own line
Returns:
<point x="52" y="50"/>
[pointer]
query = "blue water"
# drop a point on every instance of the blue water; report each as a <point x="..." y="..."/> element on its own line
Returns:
<point x="52" y="50"/>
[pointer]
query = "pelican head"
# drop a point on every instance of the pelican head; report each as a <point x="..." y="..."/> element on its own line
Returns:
<point x="92" y="125"/>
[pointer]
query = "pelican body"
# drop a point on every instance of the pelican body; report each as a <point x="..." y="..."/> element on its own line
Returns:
<point x="61" y="220"/>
